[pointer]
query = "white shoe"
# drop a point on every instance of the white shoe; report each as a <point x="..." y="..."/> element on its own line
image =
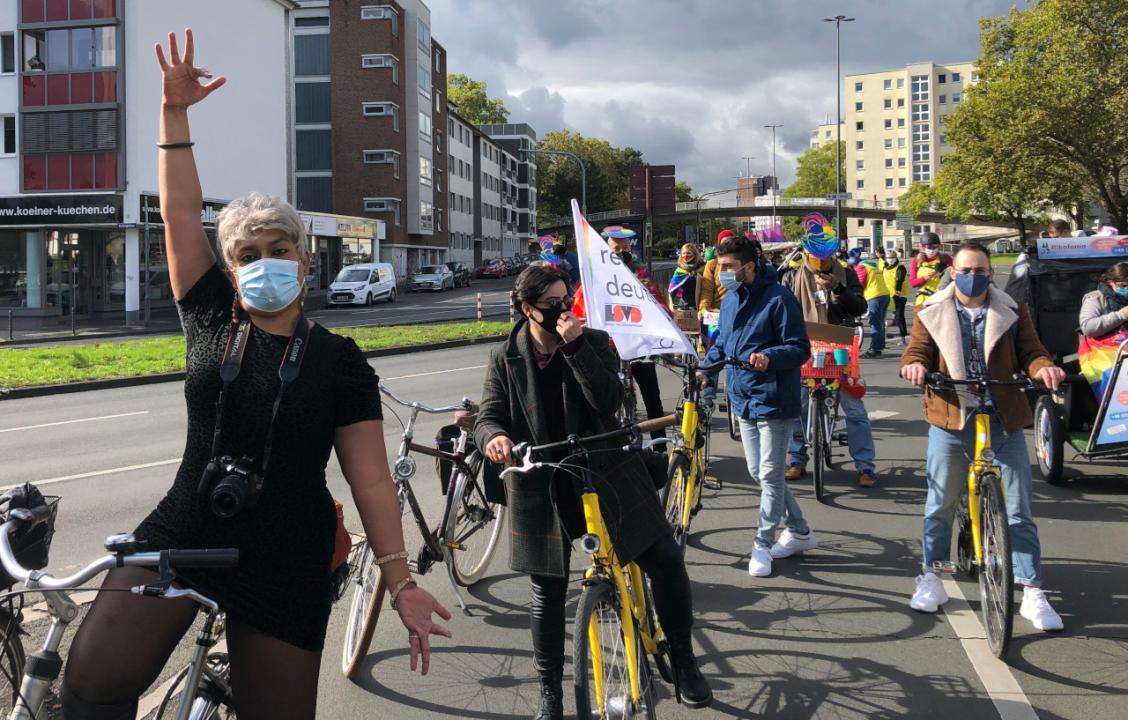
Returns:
<point x="929" y="595"/>
<point x="760" y="564"/>
<point x="1036" y="608"/>
<point x="790" y="543"/>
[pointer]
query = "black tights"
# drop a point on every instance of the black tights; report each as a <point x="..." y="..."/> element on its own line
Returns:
<point x="645" y="375"/>
<point x="899" y="315"/>
<point x="663" y="564"/>
<point x="125" y="641"/>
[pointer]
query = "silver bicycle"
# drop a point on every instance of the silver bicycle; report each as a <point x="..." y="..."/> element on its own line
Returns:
<point x="44" y="667"/>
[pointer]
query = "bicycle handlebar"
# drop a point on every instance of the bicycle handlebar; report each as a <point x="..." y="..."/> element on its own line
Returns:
<point x="938" y="381"/>
<point x="735" y="362"/>
<point x="465" y="404"/>
<point x="523" y="452"/>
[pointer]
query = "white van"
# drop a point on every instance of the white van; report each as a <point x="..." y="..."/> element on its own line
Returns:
<point x="361" y="284"/>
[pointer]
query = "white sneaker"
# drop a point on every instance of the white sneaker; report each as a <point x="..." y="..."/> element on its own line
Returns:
<point x="1036" y="608"/>
<point x="790" y="543"/>
<point x="929" y="595"/>
<point x="760" y="564"/>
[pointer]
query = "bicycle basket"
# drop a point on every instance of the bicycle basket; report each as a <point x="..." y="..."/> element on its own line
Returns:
<point x="32" y="548"/>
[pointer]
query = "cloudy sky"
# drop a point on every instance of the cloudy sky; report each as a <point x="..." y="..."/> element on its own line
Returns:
<point x="693" y="82"/>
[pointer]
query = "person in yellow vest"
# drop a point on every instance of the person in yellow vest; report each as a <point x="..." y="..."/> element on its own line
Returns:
<point x="871" y="274"/>
<point x="927" y="268"/>
<point x="897" y="283"/>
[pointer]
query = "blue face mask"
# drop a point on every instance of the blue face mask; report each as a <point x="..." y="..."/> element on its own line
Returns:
<point x="1122" y="292"/>
<point x="727" y="278"/>
<point x="270" y="284"/>
<point x="972" y="285"/>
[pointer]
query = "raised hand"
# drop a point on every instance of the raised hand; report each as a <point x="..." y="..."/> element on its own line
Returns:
<point x="182" y="86"/>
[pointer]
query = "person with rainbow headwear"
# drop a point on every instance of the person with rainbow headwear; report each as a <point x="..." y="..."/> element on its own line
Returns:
<point x="829" y="294"/>
<point x="554" y="253"/>
<point x="643" y="371"/>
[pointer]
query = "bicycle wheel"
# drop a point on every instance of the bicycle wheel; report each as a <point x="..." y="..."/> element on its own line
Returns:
<point x="367" y="601"/>
<point x="965" y="548"/>
<point x="11" y="662"/>
<point x="604" y="691"/>
<point x="818" y="450"/>
<point x="473" y="527"/>
<point x="673" y="496"/>
<point x="828" y="436"/>
<point x="996" y="575"/>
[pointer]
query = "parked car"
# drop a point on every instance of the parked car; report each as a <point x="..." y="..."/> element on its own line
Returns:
<point x="362" y="284"/>
<point x="432" y="277"/>
<point x="492" y="269"/>
<point x="462" y="274"/>
<point x="520" y="262"/>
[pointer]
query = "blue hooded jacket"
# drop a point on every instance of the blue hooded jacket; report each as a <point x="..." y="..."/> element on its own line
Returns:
<point x="763" y="317"/>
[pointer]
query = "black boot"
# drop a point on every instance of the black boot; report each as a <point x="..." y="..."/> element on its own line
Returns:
<point x="690" y="686"/>
<point x="551" y="696"/>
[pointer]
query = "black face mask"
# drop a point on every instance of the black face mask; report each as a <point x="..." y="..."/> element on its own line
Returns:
<point x="549" y="317"/>
<point x="626" y="256"/>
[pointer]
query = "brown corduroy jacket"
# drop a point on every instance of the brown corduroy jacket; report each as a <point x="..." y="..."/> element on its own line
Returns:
<point x="1012" y="345"/>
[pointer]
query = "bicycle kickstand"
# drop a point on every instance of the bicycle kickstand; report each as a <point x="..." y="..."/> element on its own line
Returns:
<point x="454" y="588"/>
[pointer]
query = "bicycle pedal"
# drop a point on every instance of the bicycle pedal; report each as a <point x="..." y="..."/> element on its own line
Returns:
<point x="711" y="483"/>
<point x="944" y="567"/>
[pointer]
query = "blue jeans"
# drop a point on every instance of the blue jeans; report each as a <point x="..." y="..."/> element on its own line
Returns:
<point x="878" y="306"/>
<point x="765" y="449"/>
<point x="859" y="434"/>
<point x="948" y="459"/>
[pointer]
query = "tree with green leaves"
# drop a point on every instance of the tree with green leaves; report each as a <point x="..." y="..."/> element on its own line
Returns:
<point x="814" y="178"/>
<point x="1052" y="96"/>
<point x="559" y="179"/>
<point x="918" y="199"/>
<point x="474" y="103"/>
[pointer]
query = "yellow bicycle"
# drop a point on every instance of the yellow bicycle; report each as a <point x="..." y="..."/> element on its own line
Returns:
<point x="983" y="544"/>
<point x="616" y="627"/>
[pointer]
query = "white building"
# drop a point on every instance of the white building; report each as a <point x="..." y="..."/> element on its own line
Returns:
<point x="79" y="103"/>
<point x="487" y="197"/>
<point x="460" y="174"/>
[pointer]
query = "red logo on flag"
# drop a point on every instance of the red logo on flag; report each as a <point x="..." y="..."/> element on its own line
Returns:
<point x="622" y="314"/>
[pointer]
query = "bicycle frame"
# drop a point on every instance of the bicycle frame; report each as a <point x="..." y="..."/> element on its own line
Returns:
<point x="819" y="397"/>
<point x="976" y="470"/>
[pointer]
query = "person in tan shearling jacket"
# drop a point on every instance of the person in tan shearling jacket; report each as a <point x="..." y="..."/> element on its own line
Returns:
<point x="971" y="329"/>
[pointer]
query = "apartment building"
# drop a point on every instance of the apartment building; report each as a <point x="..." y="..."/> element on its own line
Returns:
<point x="487" y="196"/>
<point x="369" y="95"/>
<point x="80" y="91"/>
<point x="519" y="140"/>
<point x="464" y="245"/>
<point x="823" y="135"/>
<point x="894" y="131"/>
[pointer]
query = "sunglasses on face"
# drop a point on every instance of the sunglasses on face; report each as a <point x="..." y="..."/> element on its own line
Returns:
<point x="555" y="303"/>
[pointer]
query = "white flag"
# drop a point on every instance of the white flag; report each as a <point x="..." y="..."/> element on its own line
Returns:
<point x="617" y="303"/>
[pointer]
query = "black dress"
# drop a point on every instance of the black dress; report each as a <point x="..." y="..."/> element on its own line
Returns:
<point x="281" y="586"/>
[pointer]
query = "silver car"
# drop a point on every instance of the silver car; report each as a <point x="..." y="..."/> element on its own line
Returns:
<point x="432" y="277"/>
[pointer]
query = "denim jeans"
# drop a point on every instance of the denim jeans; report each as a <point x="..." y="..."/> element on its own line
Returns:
<point x="948" y="459"/>
<point x="859" y="434"/>
<point x="765" y="449"/>
<point x="878" y="306"/>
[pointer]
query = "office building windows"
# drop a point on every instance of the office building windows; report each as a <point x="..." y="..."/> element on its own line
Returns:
<point x="857" y="87"/>
<point x="955" y="77"/>
<point x="887" y="84"/>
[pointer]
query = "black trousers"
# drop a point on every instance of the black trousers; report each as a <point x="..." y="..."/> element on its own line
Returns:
<point x="645" y="375"/>
<point x="899" y="315"/>
<point x="663" y="564"/>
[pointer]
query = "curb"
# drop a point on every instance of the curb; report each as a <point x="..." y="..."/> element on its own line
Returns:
<point x="112" y="383"/>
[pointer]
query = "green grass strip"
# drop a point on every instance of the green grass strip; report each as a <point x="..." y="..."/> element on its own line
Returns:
<point x="56" y="364"/>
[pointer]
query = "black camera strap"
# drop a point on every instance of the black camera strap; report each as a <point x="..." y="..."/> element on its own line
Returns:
<point x="239" y="335"/>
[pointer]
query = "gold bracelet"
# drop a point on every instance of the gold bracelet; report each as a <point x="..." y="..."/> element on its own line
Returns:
<point x="394" y="592"/>
<point x="401" y="555"/>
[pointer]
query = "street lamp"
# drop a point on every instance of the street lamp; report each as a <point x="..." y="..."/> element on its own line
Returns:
<point x="838" y="20"/>
<point x="583" y="171"/>
<point x="775" y="179"/>
<point x="697" y="199"/>
<point x="748" y="160"/>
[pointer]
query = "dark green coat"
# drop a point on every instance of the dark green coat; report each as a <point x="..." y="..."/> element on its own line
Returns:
<point x="592" y="395"/>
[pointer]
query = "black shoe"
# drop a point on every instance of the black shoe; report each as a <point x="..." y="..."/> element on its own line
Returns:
<point x="551" y="696"/>
<point x="690" y="686"/>
<point x="871" y="354"/>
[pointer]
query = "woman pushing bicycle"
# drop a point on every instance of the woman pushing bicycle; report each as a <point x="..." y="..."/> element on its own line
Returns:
<point x="970" y="330"/>
<point x="269" y="396"/>
<point x="551" y="379"/>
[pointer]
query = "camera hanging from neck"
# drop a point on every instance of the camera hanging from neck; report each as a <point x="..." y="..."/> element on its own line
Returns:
<point x="238" y="336"/>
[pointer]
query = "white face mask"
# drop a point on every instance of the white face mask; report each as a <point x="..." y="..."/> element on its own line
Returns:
<point x="931" y="253"/>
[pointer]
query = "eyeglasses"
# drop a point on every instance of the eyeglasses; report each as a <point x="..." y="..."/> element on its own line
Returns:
<point x="973" y="271"/>
<point x="555" y="303"/>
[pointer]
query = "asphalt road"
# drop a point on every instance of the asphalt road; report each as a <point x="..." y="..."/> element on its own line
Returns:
<point x="827" y="636"/>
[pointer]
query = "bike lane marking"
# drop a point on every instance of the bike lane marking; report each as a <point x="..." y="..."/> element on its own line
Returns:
<point x="438" y="372"/>
<point x="1005" y="692"/>
<point x="97" y="473"/>
<point x="72" y="422"/>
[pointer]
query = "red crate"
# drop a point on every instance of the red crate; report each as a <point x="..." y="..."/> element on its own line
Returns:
<point x="832" y="369"/>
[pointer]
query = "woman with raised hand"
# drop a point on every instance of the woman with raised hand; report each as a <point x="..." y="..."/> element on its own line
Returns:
<point x="253" y="472"/>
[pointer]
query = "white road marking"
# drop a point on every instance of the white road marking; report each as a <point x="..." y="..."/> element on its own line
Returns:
<point x="437" y="372"/>
<point x="882" y="414"/>
<point x="1005" y="692"/>
<point x="71" y="422"/>
<point x="152" y="701"/>
<point x="98" y="473"/>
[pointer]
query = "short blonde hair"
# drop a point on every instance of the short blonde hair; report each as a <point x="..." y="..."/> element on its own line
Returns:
<point x="694" y="248"/>
<point x="246" y="217"/>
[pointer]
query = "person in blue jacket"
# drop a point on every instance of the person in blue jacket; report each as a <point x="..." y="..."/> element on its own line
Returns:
<point x="762" y="324"/>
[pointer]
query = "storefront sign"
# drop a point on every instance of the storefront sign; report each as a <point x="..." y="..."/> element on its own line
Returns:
<point x="1093" y="246"/>
<point x="320" y="225"/>
<point x="60" y="210"/>
<point x="355" y="227"/>
<point x="209" y="213"/>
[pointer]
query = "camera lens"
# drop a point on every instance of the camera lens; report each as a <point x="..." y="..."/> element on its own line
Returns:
<point x="228" y="496"/>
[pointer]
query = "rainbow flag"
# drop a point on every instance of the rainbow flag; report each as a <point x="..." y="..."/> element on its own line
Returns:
<point x="1097" y="358"/>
